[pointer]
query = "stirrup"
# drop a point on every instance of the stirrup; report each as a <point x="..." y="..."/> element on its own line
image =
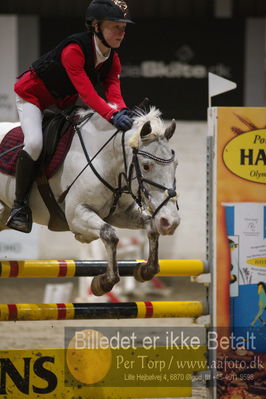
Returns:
<point x="20" y="219"/>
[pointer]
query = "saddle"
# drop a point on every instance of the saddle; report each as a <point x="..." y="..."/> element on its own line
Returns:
<point x="55" y="125"/>
<point x="57" y="128"/>
<point x="58" y="132"/>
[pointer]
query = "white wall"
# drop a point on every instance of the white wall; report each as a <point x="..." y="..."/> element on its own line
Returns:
<point x="19" y="46"/>
<point x="189" y="239"/>
<point x="255" y="66"/>
<point x="8" y="66"/>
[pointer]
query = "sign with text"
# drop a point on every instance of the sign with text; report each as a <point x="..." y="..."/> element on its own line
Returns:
<point x="169" y="61"/>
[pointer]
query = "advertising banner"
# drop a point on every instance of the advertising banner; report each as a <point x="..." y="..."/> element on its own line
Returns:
<point x="239" y="207"/>
<point x="107" y="363"/>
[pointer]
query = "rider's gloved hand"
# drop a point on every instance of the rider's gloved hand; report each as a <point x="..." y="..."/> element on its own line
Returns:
<point x="128" y="112"/>
<point x="121" y="120"/>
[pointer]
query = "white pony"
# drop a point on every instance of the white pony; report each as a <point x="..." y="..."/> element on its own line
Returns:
<point x="129" y="184"/>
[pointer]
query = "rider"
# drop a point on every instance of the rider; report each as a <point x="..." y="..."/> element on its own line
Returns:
<point x="73" y="68"/>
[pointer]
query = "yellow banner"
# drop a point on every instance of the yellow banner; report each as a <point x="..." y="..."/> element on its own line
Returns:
<point x="53" y="373"/>
<point x="240" y="176"/>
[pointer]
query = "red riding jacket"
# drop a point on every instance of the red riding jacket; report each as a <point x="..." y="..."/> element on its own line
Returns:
<point x="31" y="88"/>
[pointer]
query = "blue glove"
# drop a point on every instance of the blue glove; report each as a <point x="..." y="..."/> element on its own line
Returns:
<point x="121" y="120"/>
<point x="127" y="112"/>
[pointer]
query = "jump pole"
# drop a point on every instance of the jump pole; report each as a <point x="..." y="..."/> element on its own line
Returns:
<point x="87" y="311"/>
<point x="90" y="268"/>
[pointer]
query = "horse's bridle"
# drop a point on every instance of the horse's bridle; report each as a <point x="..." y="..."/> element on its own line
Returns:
<point x="127" y="175"/>
<point x="126" y="178"/>
<point x="170" y="192"/>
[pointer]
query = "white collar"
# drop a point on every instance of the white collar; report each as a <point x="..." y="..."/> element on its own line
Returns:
<point x="100" y="58"/>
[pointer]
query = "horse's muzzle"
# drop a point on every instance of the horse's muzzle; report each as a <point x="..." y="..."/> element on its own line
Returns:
<point x="167" y="226"/>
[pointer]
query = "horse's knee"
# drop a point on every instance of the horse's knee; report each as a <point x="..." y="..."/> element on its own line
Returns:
<point x="108" y="235"/>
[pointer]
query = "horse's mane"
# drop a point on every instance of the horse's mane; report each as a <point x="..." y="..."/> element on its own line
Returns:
<point x="154" y="117"/>
<point x="81" y="111"/>
<point x="141" y="117"/>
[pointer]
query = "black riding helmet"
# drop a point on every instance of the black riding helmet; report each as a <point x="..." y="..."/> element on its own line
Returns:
<point x="111" y="10"/>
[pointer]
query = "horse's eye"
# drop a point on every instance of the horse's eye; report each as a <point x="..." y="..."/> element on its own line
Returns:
<point x="146" y="167"/>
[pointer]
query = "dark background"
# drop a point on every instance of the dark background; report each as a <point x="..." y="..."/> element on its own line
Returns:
<point x="168" y="32"/>
<point x="139" y="8"/>
<point x="217" y="45"/>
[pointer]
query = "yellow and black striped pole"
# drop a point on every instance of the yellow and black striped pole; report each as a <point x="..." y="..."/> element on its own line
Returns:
<point x="82" y="268"/>
<point x="86" y="311"/>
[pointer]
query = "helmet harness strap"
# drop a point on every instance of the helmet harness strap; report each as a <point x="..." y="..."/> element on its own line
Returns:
<point x="100" y="10"/>
<point x="100" y="35"/>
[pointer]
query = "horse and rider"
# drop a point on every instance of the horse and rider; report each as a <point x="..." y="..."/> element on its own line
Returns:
<point x="74" y="68"/>
<point x="118" y="168"/>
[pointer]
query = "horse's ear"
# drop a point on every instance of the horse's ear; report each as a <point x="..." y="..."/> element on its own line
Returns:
<point x="170" y="130"/>
<point x="146" y="129"/>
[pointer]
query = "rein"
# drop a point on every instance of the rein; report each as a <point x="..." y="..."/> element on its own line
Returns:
<point x="11" y="149"/>
<point x="77" y="126"/>
<point x="125" y="177"/>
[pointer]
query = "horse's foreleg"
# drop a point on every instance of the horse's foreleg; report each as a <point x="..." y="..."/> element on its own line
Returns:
<point x="132" y="219"/>
<point x="105" y="282"/>
<point x="88" y="226"/>
<point x="146" y="271"/>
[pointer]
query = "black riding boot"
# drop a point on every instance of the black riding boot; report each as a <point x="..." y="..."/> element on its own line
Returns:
<point x="20" y="216"/>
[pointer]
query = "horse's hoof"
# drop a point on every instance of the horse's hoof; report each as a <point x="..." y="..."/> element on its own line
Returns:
<point x="96" y="286"/>
<point x="142" y="274"/>
<point x="99" y="285"/>
<point x="138" y="273"/>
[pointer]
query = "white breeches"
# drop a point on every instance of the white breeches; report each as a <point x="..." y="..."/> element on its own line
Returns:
<point x="30" y="118"/>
